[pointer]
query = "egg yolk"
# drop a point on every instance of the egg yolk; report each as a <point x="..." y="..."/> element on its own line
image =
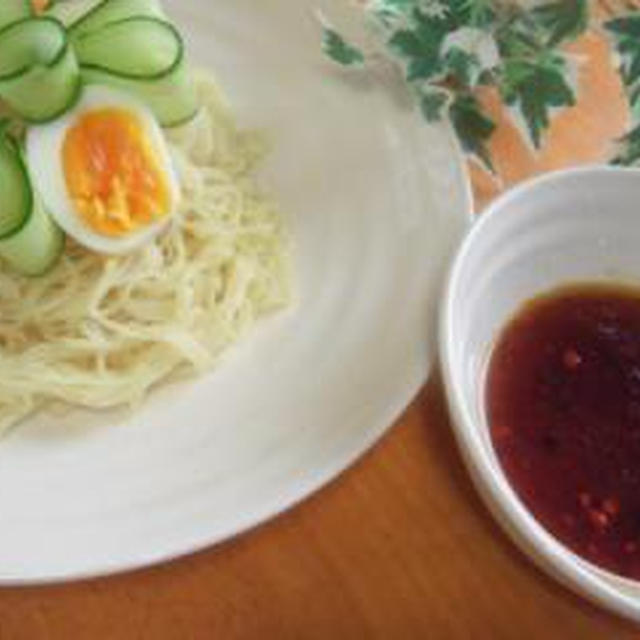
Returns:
<point x="112" y="172"/>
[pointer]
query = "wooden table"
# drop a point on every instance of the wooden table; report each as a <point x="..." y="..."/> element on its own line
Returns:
<point x="398" y="547"/>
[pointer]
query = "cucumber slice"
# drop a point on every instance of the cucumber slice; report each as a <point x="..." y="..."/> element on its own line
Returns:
<point x="36" y="248"/>
<point x="39" y="75"/>
<point x="70" y="12"/>
<point x="172" y="99"/>
<point x="144" y="56"/>
<point x="139" y="48"/>
<point x="30" y="240"/>
<point x="16" y="197"/>
<point x="109" y="11"/>
<point x="14" y="10"/>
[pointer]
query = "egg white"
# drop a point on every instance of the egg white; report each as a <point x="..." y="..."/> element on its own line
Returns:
<point x="44" y="155"/>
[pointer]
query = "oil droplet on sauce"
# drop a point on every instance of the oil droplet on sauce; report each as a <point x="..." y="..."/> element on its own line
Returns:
<point x="563" y="401"/>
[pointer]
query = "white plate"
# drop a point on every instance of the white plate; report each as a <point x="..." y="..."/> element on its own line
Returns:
<point x="377" y="201"/>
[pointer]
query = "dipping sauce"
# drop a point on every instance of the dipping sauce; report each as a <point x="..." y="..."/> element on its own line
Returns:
<point x="563" y="400"/>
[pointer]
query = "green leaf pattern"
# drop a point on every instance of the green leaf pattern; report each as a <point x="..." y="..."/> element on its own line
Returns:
<point x="339" y="50"/>
<point x="447" y="49"/>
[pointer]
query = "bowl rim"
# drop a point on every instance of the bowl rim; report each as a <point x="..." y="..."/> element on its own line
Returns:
<point x="574" y="572"/>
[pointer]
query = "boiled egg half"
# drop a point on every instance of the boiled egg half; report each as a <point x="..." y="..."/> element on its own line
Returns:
<point x="104" y="172"/>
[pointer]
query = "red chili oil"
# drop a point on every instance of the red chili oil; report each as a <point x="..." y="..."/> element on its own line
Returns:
<point x="563" y="399"/>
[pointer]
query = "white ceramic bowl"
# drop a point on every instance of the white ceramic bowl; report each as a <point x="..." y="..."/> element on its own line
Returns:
<point x="566" y="227"/>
